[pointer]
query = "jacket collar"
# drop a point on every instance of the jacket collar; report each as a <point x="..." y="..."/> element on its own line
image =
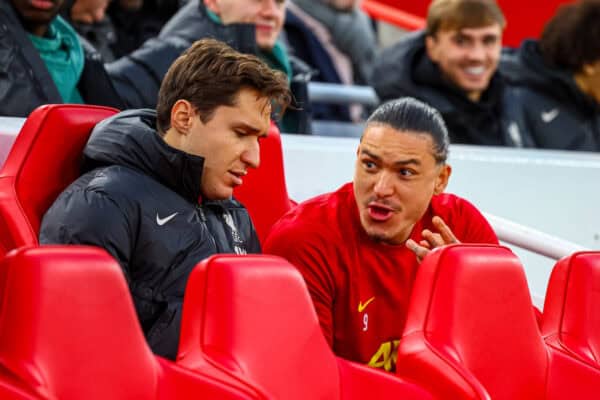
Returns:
<point x="130" y="139"/>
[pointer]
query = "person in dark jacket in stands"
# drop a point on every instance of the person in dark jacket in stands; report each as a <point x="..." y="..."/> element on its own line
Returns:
<point x="452" y="65"/>
<point x="337" y="39"/>
<point x="45" y="61"/>
<point x="558" y="79"/>
<point x="118" y="27"/>
<point x="254" y="27"/>
<point x="156" y="189"/>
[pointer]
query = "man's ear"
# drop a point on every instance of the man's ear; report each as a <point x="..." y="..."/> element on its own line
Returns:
<point x="212" y="6"/>
<point x="442" y="179"/>
<point x="431" y="47"/>
<point x="182" y="114"/>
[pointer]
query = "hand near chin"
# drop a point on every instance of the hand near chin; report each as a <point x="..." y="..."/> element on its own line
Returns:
<point x="431" y="240"/>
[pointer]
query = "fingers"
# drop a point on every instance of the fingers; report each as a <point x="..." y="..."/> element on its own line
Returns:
<point x="431" y="240"/>
<point x="444" y="230"/>
<point x="434" y="239"/>
<point x="419" y="250"/>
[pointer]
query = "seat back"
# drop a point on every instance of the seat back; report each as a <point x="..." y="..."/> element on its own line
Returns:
<point x="571" y="320"/>
<point x="264" y="192"/>
<point x="43" y="160"/>
<point x="69" y="328"/>
<point x="471" y="332"/>
<point x="69" y="331"/>
<point x="253" y="317"/>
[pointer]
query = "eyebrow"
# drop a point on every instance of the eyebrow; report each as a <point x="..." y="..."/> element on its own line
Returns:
<point x="408" y="161"/>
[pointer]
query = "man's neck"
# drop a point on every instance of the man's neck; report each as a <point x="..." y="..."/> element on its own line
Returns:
<point x="583" y="82"/>
<point x="37" y="29"/>
<point x="474" y="96"/>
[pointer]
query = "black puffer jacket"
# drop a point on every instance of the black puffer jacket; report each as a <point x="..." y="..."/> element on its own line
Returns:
<point x="139" y="202"/>
<point x="496" y="119"/>
<point x="558" y="114"/>
<point x="25" y="82"/>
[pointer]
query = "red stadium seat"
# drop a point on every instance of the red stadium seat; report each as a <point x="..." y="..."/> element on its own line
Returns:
<point x="44" y="159"/>
<point x="68" y="330"/>
<point x="264" y="192"/>
<point x="471" y="332"/>
<point x="253" y="317"/>
<point x="571" y="319"/>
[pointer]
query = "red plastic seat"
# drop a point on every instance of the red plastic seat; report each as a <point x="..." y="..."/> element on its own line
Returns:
<point x="264" y="192"/>
<point x="43" y="160"/>
<point x="69" y="331"/>
<point x="252" y="316"/>
<point x="471" y="332"/>
<point x="571" y="319"/>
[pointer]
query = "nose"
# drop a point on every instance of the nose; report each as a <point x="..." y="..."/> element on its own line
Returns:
<point x="99" y="14"/>
<point x="251" y="155"/>
<point x="269" y="7"/>
<point x="477" y="52"/>
<point x="384" y="185"/>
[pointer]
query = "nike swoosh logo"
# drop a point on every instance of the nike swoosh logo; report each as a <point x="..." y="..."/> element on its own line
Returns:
<point x="548" y="116"/>
<point x="161" y="221"/>
<point x="361" y="306"/>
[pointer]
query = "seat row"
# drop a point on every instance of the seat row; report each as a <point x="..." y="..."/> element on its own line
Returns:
<point x="471" y="332"/>
<point x="68" y="330"/>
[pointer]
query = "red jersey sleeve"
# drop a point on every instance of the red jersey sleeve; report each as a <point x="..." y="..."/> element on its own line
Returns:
<point x="306" y="248"/>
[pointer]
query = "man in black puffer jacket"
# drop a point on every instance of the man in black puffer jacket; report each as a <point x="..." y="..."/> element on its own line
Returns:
<point x="558" y="79"/>
<point x="145" y="172"/>
<point x="452" y="66"/>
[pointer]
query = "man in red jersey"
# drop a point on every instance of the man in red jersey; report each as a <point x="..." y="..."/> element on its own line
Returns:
<point x="359" y="247"/>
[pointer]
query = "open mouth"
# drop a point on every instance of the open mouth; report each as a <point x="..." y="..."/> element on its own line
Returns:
<point x="380" y="212"/>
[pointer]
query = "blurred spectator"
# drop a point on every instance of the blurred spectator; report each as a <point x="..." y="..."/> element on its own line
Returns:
<point x="117" y="27"/>
<point x="90" y="20"/>
<point x="44" y="61"/>
<point x="452" y="65"/>
<point x="336" y="39"/>
<point x="136" y="21"/>
<point x="558" y="79"/>
<point x="254" y="27"/>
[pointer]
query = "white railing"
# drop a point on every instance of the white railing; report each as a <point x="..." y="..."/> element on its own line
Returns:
<point x="531" y="239"/>
<point x="334" y="93"/>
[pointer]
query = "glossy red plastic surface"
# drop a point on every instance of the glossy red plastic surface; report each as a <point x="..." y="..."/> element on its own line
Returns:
<point x="571" y="319"/>
<point x="43" y="160"/>
<point x="252" y="316"/>
<point x="68" y="330"/>
<point x="264" y="192"/>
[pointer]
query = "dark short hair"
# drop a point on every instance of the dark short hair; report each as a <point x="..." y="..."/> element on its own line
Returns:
<point x="458" y="14"/>
<point x="571" y="38"/>
<point x="210" y="74"/>
<point x="408" y="114"/>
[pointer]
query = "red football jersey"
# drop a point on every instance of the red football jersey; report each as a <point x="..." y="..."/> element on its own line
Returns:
<point x="361" y="288"/>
